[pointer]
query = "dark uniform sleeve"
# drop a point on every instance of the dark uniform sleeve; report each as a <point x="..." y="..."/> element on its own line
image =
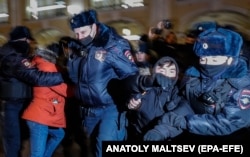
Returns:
<point x="164" y="124"/>
<point x="73" y="68"/>
<point x="24" y="71"/>
<point x="122" y="59"/>
<point x="231" y="119"/>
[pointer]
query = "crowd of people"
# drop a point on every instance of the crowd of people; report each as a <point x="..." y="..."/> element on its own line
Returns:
<point x="96" y="87"/>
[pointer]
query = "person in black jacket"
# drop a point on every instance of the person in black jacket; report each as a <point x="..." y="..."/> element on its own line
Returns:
<point x="148" y="108"/>
<point x="17" y="76"/>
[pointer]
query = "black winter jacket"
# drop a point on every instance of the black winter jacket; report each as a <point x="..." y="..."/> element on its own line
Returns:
<point x="17" y="75"/>
<point x="107" y="58"/>
<point x="156" y="103"/>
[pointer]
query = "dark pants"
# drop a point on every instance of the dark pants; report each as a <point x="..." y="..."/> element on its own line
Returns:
<point x="103" y="124"/>
<point x="14" y="128"/>
<point x="74" y="131"/>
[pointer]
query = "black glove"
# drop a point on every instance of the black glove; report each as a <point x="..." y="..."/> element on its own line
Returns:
<point x="158" y="80"/>
<point x="137" y="83"/>
<point x="153" y="135"/>
<point x="209" y="98"/>
<point x="140" y="83"/>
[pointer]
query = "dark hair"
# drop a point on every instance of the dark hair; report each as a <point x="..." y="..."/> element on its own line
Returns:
<point x="54" y="47"/>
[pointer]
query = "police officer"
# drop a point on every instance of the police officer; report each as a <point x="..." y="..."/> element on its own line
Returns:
<point x="218" y="89"/>
<point x="107" y="56"/>
<point x="17" y="76"/>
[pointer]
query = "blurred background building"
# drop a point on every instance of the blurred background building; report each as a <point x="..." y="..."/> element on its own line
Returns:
<point x="49" y="19"/>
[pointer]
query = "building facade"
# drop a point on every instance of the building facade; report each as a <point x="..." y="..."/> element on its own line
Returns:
<point x="49" y="19"/>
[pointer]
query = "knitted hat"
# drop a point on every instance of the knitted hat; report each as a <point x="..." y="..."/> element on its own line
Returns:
<point x="83" y="19"/>
<point x="214" y="42"/>
<point x="143" y="47"/>
<point x="20" y="32"/>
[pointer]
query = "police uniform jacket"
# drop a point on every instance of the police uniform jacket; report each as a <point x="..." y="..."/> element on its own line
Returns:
<point x="17" y="74"/>
<point x="231" y="109"/>
<point x="108" y="57"/>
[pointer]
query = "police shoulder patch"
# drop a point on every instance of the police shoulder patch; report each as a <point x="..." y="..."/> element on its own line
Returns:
<point x="244" y="99"/>
<point x="100" y="55"/>
<point x="26" y="63"/>
<point x="129" y="55"/>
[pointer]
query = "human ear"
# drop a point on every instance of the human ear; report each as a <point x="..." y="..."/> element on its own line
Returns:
<point x="94" y="29"/>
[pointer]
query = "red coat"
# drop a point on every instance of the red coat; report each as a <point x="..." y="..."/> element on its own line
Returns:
<point x="47" y="105"/>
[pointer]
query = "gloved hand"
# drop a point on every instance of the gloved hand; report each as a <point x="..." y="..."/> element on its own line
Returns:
<point x="140" y="83"/>
<point x="153" y="135"/>
<point x="158" y="80"/>
<point x="208" y="98"/>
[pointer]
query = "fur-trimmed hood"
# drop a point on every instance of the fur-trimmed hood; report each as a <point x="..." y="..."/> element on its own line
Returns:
<point x="47" y="54"/>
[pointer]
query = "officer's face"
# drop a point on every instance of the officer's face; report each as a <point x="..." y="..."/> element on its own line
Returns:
<point x="83" y="32"/>
<point x="215" y="60"/>
<point x="167" y="69"/>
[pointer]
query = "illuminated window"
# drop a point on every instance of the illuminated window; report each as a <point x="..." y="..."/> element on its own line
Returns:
<point x="116" y="4"/>
<point x="40" y="9"/>
<point x="4" y="13"/>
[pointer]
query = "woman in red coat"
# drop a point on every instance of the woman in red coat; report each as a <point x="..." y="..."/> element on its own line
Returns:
<point x="45" y="114"/>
